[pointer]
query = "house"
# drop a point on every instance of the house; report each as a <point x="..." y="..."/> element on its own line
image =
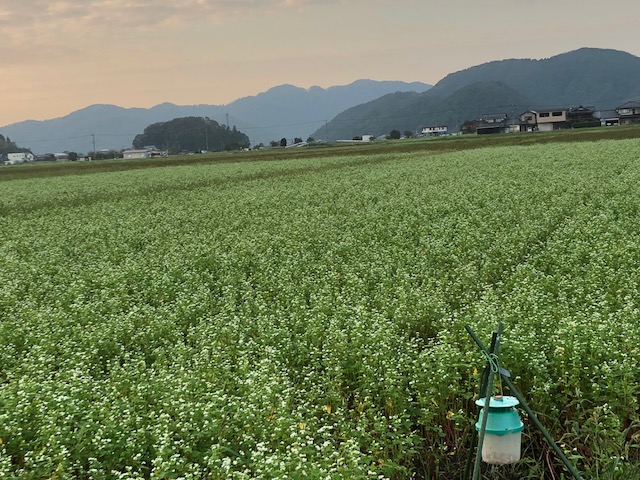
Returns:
<point x="493" y="123"/>
<point x="528" y="121"/>
<point x="21" y="157"/>
<point x="435" y="130"/>
<point x="608" y="118"/>
<point x="552" y="119"/>
<point x="581" y="113"/>
<point x="629" y="113"/>
<point x="544" y="120"/>
<point x="581" y="117"/>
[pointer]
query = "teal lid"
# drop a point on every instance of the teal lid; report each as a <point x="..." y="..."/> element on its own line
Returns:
<point x="499" y="401"/>
<point x="502" y="418"/>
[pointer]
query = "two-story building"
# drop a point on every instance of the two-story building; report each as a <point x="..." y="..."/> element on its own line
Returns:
<point x="528" y="121"/>
<point x="629" y="113"/>
<point x="582" y="115"/>
<point x="544" y="120"/>
<point x="493" y="123"/>
<point x="435" y="130"/>
<point x="20" y="157"/>
<point x="552" y="119"/>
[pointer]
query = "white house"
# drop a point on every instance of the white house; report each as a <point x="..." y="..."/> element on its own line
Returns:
<point x="435" y="130"/>
<point x="22" y="157"/>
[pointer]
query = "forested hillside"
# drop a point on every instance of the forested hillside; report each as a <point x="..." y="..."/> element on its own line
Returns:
<point x="601" y="78"/>
<point x="589" y="76"/>
<point x="192" y="134"/>
<point x="411" y="111"/>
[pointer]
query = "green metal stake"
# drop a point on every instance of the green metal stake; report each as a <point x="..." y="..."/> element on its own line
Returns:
<point x="530" y="413"/>
<point x="492" y="371"/>
<point x="484" y="379"/>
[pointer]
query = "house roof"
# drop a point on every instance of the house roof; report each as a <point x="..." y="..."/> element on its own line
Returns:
<point x="493" y="116"/>
<point x="582" y="109"/>
<point x="549" y="110"/>
<point x="632" y="104"/>
<point x="606" y="114"/>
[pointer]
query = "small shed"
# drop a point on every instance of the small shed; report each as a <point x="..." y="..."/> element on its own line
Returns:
<point x="136" y="153"/>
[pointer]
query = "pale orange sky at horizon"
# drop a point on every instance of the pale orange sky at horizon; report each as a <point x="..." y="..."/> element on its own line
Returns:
<point x="63" y="55"/>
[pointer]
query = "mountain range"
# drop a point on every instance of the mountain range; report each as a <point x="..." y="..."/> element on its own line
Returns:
<point x="283" y="111"/>
<point x="595" y="77"/>
<point x="601" y="78"/>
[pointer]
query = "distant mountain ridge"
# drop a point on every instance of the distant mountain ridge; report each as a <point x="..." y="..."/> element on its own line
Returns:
<point x="588" y="76"/>
<point x="282" y="111"/>
<point x="591" y="76"/>
<point x="407" y="111"/>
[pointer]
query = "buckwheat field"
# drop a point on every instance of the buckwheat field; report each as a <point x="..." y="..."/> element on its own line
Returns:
<point x="304" y="318"/>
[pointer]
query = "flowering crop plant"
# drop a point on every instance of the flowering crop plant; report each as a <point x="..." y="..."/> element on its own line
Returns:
<point x="304" y="318"/>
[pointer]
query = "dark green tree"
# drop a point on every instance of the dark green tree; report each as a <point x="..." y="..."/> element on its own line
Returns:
<point x="7" y="146"/>
<point x="394" y="134"/>
<point x="469" y="126"/>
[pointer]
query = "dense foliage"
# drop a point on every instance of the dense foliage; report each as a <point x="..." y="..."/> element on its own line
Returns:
<point x="192" y="134"/>
<point x="7" y="146"/>
<point x="304" y="318"/>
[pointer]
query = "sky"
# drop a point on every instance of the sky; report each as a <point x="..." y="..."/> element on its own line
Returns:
<point x="58" y="56"/>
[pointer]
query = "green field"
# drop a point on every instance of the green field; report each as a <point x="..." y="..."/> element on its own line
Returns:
<point x="302" y="316"/>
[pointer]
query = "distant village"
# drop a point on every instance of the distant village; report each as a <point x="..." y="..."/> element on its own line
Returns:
<point x="539" y="120"/>
<point x="25" y="157"/>
<point x="545" y="120"/>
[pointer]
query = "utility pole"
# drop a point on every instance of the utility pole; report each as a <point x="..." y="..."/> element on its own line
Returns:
<point x="227" y="120"/>
<point x="94" y="145"/>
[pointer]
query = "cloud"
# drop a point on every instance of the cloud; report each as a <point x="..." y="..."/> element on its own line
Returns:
<point x="40" y="32"/>
<point x="97" y="12"/>
<point x="32" y="28"/>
